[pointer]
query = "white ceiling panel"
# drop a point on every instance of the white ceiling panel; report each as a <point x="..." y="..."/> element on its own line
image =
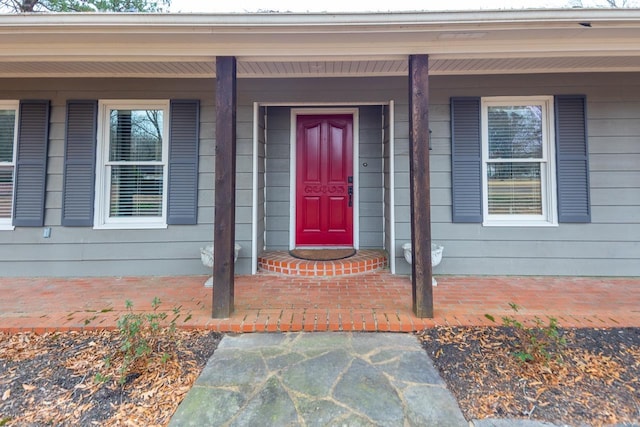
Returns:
<point x="299" y="69"/>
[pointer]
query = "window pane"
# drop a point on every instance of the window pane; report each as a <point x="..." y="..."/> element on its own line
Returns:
<point x="136" y="191"/>
<point x="6" y="191"/>
<point x="7" y="129"/>
<point x="514" y="189"/>
<point x="515" y="132"/>
<point x="136" y="135"/>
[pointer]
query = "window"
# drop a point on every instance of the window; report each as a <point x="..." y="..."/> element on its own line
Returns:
<point x="8" y="137"/>
<point x="517" y="161"/>
<point x="132" y="160"/>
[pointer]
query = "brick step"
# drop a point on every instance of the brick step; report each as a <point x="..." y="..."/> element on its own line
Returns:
<point x="364" y="261"/>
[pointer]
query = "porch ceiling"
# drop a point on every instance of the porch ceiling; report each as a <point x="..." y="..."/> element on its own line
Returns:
<point x="319" y="68"/>
<point x="319" y="45"/>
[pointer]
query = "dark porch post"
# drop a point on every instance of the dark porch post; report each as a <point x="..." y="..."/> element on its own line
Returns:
<point x="225" y="187"/>
<point x="421" y="269"/>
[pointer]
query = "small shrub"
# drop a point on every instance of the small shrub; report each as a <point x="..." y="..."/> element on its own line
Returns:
<point x="538" y="344"/>
<point x="100" y="378"/>
<point x="142" y="334"/>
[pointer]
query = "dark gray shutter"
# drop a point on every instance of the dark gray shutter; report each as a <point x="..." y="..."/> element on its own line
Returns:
<point x="79" y="163"/>
<point x="183" y="162"/>
<point x="573" y="159"/>
<point x="466" y="160"/>
<point x="31" y="164"/>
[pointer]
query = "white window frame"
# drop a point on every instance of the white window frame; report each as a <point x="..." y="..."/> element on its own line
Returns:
<point x="7" y="223"/>
<point x="547" y="162"/>
<point x="102" y="220"/>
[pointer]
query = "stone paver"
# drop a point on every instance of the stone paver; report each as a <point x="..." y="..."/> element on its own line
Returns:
<point x="319" y="379"/>
<point x="492" y="422"/>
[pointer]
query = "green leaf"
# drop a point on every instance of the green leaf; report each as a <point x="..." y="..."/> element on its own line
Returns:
<point x="523" y="357"/>
<point x="19" y="6"/>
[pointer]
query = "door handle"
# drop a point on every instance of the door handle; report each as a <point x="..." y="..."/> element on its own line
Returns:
<point x="350" y="193"/>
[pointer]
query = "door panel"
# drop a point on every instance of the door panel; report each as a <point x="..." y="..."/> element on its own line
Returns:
<point x="337" y="214"/>
<point x="311" y="215"/>
<point x="324" y="163"/>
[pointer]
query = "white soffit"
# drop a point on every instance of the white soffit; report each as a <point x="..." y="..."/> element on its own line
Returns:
<point x="164" y="69"/>
<point x="258" y="69"/>
<point x="296" y="69"/>
<point x="319" y="45"/>
<point x="534" y="65"/>
<point x="253" y="68"/>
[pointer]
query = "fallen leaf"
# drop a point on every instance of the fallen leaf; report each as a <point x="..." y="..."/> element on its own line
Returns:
<point x="6" y="394"/>
<point x="28" y="387"/>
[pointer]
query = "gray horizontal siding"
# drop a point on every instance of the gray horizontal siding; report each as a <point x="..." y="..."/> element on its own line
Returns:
<point x="277" y="178"/>
<point x="262" y="149"/>
<point x="568" y="266"/>
<point x="321" y="91"/>
<point x="608" y="246"/>
<point x="278" y="163"/>
<point x="371" y="190"/>
<point x="82" y="251"/>
<point x="124" y="267"/>
<point x="388" y="206"/>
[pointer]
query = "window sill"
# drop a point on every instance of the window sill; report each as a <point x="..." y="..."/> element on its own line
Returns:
<point x="519" y="224"/>
<point x="130" y="226"/>
<point x="7" y="227"/>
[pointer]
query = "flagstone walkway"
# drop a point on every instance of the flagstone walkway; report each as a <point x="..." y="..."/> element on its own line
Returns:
<point x="322" y="379"/>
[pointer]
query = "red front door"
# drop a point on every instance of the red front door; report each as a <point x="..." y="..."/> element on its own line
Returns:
<point x="324" y="180"/>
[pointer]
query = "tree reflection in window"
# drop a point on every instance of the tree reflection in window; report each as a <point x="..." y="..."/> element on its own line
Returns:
<point x="515" y="132"/>
<point x="515" y="149"/>
<point x="136" y="162"/>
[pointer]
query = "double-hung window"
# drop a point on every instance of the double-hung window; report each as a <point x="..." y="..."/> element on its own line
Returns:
<point x="518" y="161"/>
<point x="132" y="161"/>
<point x="8" y="137"/>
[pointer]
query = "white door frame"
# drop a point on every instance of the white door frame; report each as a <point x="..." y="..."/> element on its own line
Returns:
<point x="295" y="112"/>
<point x="322" y="108"/>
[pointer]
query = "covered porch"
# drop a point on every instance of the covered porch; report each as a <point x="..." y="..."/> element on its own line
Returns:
<point x="319" y="61"/>
<point x="275" y="303"/>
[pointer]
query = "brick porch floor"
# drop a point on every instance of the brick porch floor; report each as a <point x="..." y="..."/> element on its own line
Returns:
<point x="366" y="302"/>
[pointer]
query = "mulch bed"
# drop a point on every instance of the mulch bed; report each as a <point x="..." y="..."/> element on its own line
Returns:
<point x="50" y="379"/>
<point x="593" y="380"/>
<point x="53" y="379"/>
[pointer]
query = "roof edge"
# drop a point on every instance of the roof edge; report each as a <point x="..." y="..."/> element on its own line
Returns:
<point x="246" y="21"/>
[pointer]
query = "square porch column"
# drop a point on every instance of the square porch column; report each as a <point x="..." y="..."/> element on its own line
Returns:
<point x="225" y="187"/>
<point x="419" y="182"/>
